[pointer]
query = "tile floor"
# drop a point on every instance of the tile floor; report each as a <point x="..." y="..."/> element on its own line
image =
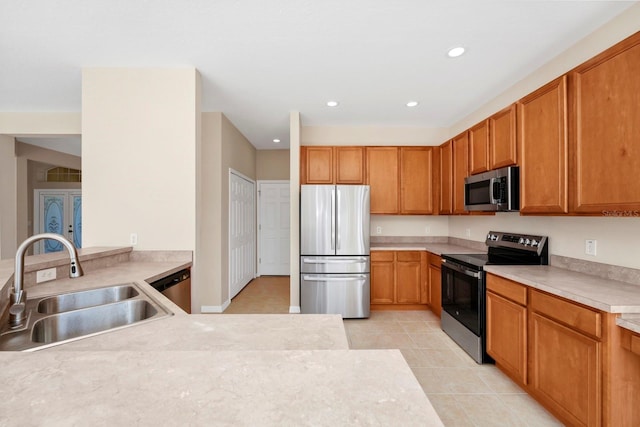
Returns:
<point x="462" y="392"/>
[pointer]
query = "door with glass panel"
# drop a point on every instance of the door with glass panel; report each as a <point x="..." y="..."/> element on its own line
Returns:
<point x="59" y="212"/>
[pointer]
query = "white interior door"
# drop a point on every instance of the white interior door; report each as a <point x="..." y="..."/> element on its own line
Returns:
<point x="242" y="233"/>
<point x="273" y="228"/>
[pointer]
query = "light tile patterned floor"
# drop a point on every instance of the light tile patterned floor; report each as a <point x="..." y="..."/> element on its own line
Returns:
<point x="462" y="392"/>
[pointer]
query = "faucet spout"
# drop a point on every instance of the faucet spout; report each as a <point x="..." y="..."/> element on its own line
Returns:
<point x="17" y="314"/>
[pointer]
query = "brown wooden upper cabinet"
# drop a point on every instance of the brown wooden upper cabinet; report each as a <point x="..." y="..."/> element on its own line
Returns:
<point x="479" y="148"/>
<point x="332" y="165"/>
<point x="383" y="176"/>
<point x="542" y="149"/>
<point x="349" y="165"/>
<point x="446" y="179"/>
<point x="605" y="126"/>
<point x="460" y="149"/>
<point x="502" y="138"/>
<point x="416" y="180"/>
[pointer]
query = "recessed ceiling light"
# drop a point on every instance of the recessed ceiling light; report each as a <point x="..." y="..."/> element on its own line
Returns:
<point x="276" y="140"/>
<point x="332" y="103"/>
<point x="455" y="52"/>
<point x="412" y="103"/>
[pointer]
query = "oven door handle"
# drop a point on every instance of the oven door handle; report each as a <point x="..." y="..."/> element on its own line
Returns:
<point x="460" y="269"/>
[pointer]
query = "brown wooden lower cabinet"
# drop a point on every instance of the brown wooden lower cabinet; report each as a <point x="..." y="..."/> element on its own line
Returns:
<point x="397" y="279"/>
<point x="435" y="284"/>
<point x="565" y="371"/>
<point x="576" y="362"/>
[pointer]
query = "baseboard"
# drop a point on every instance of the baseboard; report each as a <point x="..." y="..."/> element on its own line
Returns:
<point x="214" y="308"/>
<point x="294" y="309"/>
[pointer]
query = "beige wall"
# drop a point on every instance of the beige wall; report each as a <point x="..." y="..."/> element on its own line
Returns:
<point x="371" y="135"/>
<point x="223" y="148"/>
<point x="294" y="212"/>
<point x="8" y="183"/>
<point x="139" y="143"/>
<point x="272" y="165"/>
<point x="206" y="294"/>
<point x="567" y="234"/>
<point x="40" y="124"/>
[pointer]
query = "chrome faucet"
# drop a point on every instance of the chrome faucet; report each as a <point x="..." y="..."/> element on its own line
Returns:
<point x="17" y="314"/>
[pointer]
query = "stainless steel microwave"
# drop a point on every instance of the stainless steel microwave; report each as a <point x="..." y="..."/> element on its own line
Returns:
<point x="496" y="190"/>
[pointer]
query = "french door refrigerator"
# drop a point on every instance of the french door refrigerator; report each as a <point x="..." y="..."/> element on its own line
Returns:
<point x="334" y="250"/>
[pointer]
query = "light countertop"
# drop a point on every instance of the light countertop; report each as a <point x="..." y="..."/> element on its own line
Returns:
<point x="607" y="295"/>
<point x="208" y="369"/>
<point x="436" y="248"/>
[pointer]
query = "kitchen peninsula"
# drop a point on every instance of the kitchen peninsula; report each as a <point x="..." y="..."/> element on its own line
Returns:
<point x="202" y="369"/>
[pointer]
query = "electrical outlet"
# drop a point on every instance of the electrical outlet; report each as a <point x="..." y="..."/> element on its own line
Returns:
<point x="133" y="239"/>
<point x="590" y="247"/>
<point x="378" y="230"/>
<point x="46" y="275"/>
<point x="427" y="230"/>
<point x="468" y="232"/>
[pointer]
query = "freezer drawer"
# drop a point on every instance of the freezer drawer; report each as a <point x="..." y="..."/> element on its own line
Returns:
<point x="346" y="294"/>
<point x="334" y="264"/>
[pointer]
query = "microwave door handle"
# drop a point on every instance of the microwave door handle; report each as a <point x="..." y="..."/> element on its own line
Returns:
<point x="494" y="184"/>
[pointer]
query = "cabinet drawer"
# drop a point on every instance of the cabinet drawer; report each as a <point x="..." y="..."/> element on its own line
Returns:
<point x="382" y="256"/>
<point x="571" y="314"/>
<point x="408" y="256"/>
<point x="508" y="289"/>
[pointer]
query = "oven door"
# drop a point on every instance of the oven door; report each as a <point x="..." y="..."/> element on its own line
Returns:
<point x="463" y="295"/>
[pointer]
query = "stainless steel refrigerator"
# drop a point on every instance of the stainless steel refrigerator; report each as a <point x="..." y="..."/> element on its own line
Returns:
<point x="334" y="250"/>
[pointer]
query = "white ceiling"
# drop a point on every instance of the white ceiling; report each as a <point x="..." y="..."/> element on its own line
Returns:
<point x="260" y="59"/>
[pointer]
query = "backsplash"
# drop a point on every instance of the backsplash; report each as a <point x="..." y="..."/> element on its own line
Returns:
<point x="605" y="271"/>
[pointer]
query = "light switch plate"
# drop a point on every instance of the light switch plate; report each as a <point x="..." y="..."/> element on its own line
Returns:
<point x="45" y="275"/>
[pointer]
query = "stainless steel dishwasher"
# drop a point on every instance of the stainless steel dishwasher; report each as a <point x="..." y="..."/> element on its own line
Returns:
<point x="176" y="287"/>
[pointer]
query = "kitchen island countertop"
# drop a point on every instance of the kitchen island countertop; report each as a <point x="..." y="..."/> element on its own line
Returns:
<point x="208" y="369"/>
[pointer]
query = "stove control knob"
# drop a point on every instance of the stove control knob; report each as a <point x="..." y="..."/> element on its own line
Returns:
<point x="521" y="241"/>
<point x="526" y="242"/>
<point x="489" y="237"/>
<point x="534" y="242"/>
<point x="494" y="237"/>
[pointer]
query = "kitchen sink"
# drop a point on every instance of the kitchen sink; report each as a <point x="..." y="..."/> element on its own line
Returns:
<point x="73" y="324"/>
<point x="57" y="319"/>
<point x="77" y="300"/>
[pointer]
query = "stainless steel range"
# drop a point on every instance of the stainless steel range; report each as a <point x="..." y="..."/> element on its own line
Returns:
<point x="464" y="291"/>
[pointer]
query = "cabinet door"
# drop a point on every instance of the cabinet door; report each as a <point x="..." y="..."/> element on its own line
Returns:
<point x="446" y="179"/>
<point x="349" y="165"/>
<point x="383" y="178"/>
<point x="542" y="148"/>
<point x="435" y="284"/>
<point x="382" y="277"/>
<point x="318" y="165"/>
<point x="460" y="170"/>
<point x="502" y="138"/>
<point x="606" y="124"/>
<point x="565" y="371"/>
<point x="416" y="180"/>
<point x="479" y="148"/>
<point x="507" y="335"/>
<point x="408" y="279"/>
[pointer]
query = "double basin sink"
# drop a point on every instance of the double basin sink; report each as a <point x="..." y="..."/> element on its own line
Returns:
<point x="57" y="319"/>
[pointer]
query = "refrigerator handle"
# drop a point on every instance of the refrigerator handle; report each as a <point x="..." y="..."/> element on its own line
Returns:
<point x="338" y="223"/>
<point x="333" y="219"/>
